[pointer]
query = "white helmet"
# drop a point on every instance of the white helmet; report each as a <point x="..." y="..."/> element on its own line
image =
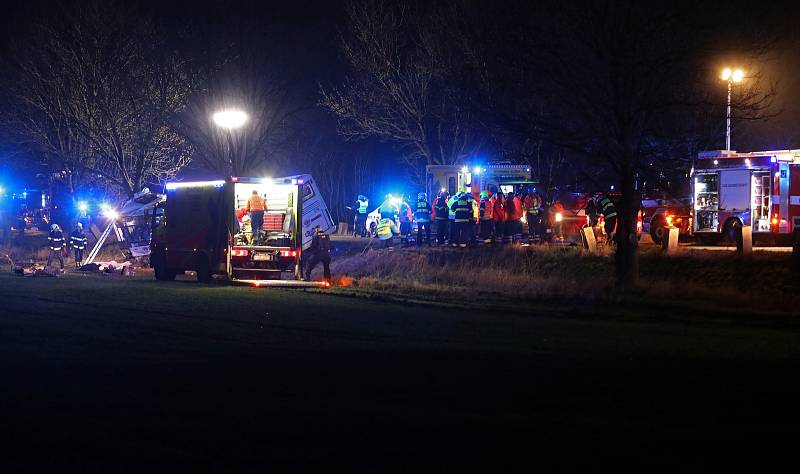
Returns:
<point x="54" y="227"/>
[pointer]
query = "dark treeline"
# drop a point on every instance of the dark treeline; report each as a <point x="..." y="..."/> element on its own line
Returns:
<point x="104" y="94"/>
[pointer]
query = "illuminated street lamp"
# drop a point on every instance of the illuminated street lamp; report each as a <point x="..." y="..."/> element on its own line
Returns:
<point x="230" y="119"/>
<point x="730" y="76"/>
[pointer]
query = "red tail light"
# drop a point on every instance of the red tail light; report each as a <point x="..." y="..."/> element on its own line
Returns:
<point x="239" y="253"/>
<point x="289" y="253"/>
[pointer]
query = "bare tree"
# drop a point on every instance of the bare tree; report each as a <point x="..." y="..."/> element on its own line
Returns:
<point x="107" y="85"/>
<point x="401" y="89"/>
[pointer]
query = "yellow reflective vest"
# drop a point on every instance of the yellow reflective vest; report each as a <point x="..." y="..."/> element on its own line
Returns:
<point x="386" y="229"/>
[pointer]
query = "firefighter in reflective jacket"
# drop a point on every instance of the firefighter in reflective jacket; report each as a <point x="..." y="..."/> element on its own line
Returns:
<point x="77" y="240"/>
<point x="320" y="252"/>
<point x="441" y="212"/>
<point x="606" y="207"/>
<point x="422" y="215"/>
<point x="533" y="214"/>
<point x="56" y="242"/>
<point x="451" y="217"/>
<point x="462" y="210"/>
<point x="386" y="230"/>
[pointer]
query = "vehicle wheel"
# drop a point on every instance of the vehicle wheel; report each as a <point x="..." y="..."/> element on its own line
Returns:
<point x="161" y="270"/>
<point x="373" y="230"/>
<point x="733" y="229"/>
<point x="658" y="229"/>
<point x="203" y="270"/>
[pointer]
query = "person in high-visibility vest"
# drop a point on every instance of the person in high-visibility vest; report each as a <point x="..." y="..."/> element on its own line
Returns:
<point x="77" y="240"/>
<point x="56" y="243"/>
<point x="463" y="217"/>
<point x="361" y="211"/>
<point x="440" y="214"/>
<point x="609" y="211"/>
<point x="451" y="217"/>
<point x="422" y="215"/>
<point x="474" y="228"/>
<point x="256" y="206"/>
<point x="485" y="209"/>
<point x="533" y="214"/>
<point x="387" y="229"/>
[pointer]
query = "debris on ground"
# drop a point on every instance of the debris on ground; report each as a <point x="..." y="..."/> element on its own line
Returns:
<point x="112" y="267"/>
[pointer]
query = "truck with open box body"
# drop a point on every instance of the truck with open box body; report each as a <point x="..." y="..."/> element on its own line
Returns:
<point x="201" y="230"/>
<point x="759" y="189"/>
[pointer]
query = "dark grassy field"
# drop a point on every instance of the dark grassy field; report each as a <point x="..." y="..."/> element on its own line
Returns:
<point x="108" y="374"/>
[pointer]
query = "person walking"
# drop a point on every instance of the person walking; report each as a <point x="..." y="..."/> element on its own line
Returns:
<point x="320" y="251"/>
<point x="362" y="210"/>
<point x="499" y="216"/>
<point x="56" y="243"/>
<point x="77" y="240"/>
<point x="423" y="217"/>
<point x="256" y="206"/>
<point x="441" y="212"/>
<point x="463" y="219"/>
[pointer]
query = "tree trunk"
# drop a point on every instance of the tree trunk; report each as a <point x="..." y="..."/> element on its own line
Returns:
<point x="627" y="255"/>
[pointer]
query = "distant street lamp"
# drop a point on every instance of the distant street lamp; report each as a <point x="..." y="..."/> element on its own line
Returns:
<point x="730" y="76"/>
<point x="230" y="119"/>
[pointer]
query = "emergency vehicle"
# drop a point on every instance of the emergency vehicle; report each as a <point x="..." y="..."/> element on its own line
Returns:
<point x="658" y="214"/>
<point x="204" y="229"/>
<point x="493" y="177"/>
<point x="760" y="189"/>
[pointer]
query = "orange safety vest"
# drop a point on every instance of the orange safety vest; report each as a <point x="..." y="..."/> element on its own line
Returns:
<point x="256" y="203"/>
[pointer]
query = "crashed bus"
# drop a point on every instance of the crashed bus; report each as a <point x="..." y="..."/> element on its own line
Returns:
<point x="200" y="230"/>
<point x="759" y="189"/>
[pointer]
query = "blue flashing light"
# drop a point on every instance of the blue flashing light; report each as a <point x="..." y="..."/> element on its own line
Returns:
<point x="83" y="206"/>
<point x="477" y="170"/>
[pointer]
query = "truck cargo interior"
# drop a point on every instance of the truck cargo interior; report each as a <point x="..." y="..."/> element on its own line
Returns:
<point x="278" y="229"/>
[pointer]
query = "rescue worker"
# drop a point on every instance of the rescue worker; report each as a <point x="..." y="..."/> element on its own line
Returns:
<point x="441" y="213"/>
<point x="463" y="218"/>
<point x="320" y="252"/>
<point x="388" y="209"/>
<point x="532" y="205"/>
<point x="405" y="216"/>
<point x="423" y="217"/>
<point x="362" y="210"/>
<point x="387" y="229"/>
<point x="56" y="242"/>
<point x="451" y="218"/>
<point x="609" y="211"/>
<point x="475" y="229"/>
<point x="77" y="240"/>
<point x="256" y="206"/>
<point x="499" y="216"/>
<point x="485" y="218"/>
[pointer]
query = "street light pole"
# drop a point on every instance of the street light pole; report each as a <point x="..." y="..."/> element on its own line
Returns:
<point x="731" y="77"/>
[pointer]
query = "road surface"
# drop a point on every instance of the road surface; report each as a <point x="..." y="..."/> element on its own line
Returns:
<point x="118" y="375"/>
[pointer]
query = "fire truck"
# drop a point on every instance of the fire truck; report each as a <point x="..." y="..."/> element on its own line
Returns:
<point x="204" y="229"/>
<point x="659" y="213"/>
<point x="760" y="189"/>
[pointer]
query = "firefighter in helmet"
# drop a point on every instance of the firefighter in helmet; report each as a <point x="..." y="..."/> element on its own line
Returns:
<point x="462" y="210"/>
<point x="77" y="240"/>
<point x="320" y="251"/>
<point x="606" y="207"/>
<point x="422" y="215"/>
<point x="56" y="243"/>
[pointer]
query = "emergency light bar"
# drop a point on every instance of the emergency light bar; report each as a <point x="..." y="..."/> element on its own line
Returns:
<point x="195" y="184"/>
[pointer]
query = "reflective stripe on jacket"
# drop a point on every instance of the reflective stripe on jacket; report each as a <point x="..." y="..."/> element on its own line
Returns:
<point x="441" y="209"/>
<point x="56" y="240"/>
<point x="607" y="207"/>
<point x="386" y="229"/>
<point x="78" y="241"/>
<point x="363" y="206"/>
<point x="423" y="212"/>
<point x="461" y="210"/>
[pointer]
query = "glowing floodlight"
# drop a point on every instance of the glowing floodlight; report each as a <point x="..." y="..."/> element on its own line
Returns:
<point x="230" y="119"/>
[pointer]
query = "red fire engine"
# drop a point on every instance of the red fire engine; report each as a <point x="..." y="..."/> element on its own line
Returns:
<point x="760" y="189"/>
